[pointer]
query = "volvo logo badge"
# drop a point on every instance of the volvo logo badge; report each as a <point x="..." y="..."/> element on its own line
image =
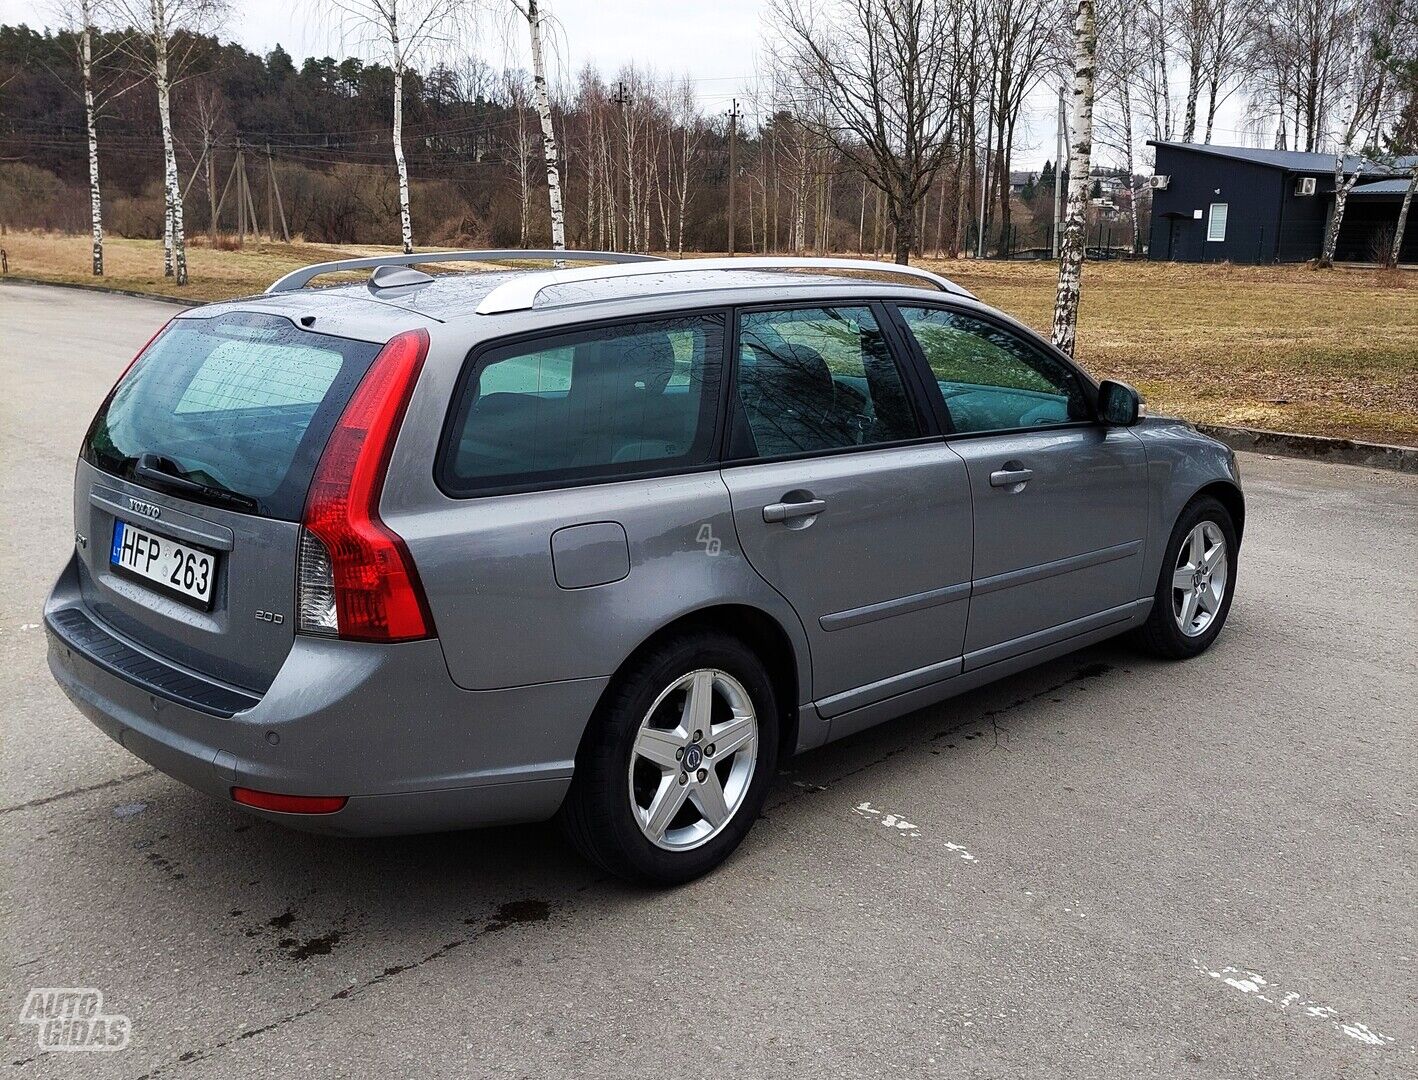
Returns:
<point x="147" y="509"/>
<point x="693" y="756"/>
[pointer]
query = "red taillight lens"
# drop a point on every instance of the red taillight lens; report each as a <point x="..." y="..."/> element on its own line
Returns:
<point x="376" y="590"/>
<point x="289" y="804"/>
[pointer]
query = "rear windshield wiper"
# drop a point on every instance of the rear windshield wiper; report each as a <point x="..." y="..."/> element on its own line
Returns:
<point x="165" y="471"/>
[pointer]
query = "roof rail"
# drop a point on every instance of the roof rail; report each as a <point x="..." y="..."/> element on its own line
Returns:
<point x="297" y="279"/>
<point x="520" y="293"/>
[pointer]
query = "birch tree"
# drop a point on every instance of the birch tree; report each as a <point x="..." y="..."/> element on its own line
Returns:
<point x="167" y="32"/>
<point x="1363" y="84"/>
<point x="1071" y="250"/>
<point x="91" y="49"/>
<point x="399" y="31"/>
<point x="535" y="16"/>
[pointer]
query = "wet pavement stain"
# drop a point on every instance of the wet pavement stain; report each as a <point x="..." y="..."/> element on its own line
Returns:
<point x="316" y="946"/>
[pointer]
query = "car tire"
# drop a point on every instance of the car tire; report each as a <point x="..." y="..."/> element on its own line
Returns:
<point x="611" y="812"/>
<point x="1202" y="524"/>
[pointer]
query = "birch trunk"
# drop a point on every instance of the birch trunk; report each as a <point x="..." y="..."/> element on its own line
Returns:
<point x="406" y="221"/>
<point x="1071" y="250"/>
<point x="1342" y="188"/>
<point x="175" y="247"/>
<point x="539" y="89"/>
<point x="1403" y="218"/>
<point x="95" y="202"/>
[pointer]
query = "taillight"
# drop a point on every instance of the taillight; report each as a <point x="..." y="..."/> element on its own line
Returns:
<point x="356" y="578"/>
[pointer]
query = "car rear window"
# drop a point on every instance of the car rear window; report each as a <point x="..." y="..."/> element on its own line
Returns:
<point x="241" y="403"/>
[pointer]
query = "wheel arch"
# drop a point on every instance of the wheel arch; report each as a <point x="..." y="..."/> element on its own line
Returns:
<point x="761" y="632"/>
<point x="1228" y="495"/>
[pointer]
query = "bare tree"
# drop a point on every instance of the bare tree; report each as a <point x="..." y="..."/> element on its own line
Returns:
<point x="399" y="31"/>
<point x="167" y="33"/>
<point x="1071" y="250"/>
<point x="1229" y="26"/>
<point x="1361" y="84"/>
<point x="96" y="92"/>
<point x="879" y="73"/>
<point x="1121" y="58"/>
<point x="535" y="16"/>
<point x="517" y="146"/>
<point x="1022" y="35"/>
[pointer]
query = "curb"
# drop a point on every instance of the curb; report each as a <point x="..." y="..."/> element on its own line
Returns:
<point x="102" y="289"/>
<point x="1288" y="444"/>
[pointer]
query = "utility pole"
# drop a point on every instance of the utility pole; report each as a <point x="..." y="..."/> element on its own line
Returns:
<point x="240" y="196"/>
<point x="270" y="196"/>
<point x="622" y="163"/>
<point x="280" y="203"/>
<point x="211" y="189"/>
<point x="733" y="174"/>
<point x="1058" y="173"/>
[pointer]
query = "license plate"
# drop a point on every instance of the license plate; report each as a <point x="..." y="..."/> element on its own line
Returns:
<point x="178" y="568"/>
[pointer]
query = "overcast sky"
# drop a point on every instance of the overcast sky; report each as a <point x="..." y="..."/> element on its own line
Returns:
<point x="717" y="43"/>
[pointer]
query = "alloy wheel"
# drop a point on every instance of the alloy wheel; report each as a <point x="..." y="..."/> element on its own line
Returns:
<point x="1199" y="579"/>
<point x="693" y="759"/>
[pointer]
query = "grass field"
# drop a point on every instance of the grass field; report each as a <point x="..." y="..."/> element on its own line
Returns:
<point x="1286" y="348"/>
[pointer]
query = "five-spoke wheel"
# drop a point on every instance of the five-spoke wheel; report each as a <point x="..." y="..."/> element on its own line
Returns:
<point x="1199" y="579"/>
<point x="693" y="759"/>
<point x="678" y="761"/>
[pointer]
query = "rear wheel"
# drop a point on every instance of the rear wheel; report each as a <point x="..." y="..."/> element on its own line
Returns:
<point x="677" y="762"/>
<point x="1196" y="584"/>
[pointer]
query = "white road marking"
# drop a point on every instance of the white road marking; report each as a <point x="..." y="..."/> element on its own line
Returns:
<point x="1255" y="986"/>
<point x="889" y="821"/>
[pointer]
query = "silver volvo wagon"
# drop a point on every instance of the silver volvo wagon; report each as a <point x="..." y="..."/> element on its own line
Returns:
<point x="606" y="543"/>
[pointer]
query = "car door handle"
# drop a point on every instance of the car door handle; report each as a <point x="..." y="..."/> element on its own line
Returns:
<point x="787" y="511"/>
<point x="1003" y="478"/>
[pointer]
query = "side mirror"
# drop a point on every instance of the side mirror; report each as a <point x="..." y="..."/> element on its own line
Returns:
<point x="1119" y="404"/>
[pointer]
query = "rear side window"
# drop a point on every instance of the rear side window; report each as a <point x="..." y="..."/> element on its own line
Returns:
<point x="585" y="405"/>
<point x="240" y="403"/>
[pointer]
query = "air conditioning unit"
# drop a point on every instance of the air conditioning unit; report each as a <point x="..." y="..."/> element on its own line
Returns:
<point x="1305" y="185"/>
<point x="1159" y="183"/>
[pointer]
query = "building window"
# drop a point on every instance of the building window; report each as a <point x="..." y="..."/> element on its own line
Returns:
<point x="1216" y="222"/>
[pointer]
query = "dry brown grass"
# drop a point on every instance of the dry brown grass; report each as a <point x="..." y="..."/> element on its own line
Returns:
<point x="1287" y="348"/>
<point x="136" y="265"/>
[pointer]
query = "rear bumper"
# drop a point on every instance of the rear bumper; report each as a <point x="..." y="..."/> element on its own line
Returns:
<point x="382" y="724"/>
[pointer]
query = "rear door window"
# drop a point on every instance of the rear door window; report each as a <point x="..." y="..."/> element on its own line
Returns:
<point x="584" y="405"/>
<point x="812" y="379"/>
<point x="241" y="403"/>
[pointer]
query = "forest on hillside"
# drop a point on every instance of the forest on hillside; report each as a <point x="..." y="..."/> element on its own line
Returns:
<point x="642" y="165"/>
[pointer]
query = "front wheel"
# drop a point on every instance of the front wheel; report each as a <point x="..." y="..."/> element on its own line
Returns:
<point x="677" y="762"/>
<point x="1196" y="584"/>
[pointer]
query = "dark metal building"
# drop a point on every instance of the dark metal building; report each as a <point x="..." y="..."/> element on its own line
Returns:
<point x="1245" y="205"/>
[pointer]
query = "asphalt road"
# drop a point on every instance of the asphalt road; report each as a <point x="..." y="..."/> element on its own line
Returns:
<point x="1107" y="867"/>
